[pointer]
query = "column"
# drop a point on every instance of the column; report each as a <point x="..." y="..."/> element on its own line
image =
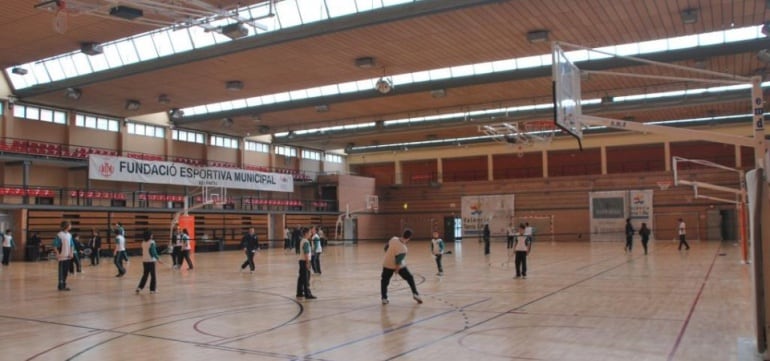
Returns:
<point x="490" y="168"/>
<point x="25" y="179"/>
<point x="544" y="154"/>
<point x="667" y="155"/>
<point x="738" y="158"/>
<point x="439" y="170"/>
<point x="397" y="173"/>
<point x="603" y="150"/>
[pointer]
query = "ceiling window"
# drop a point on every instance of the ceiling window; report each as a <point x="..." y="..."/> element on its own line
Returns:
<point x="96" y="122"/>
<point x="257" y="147"/>
<point x="146" y="130"/>
<point x="31" y="112"/>
<point x="188" y="136"/>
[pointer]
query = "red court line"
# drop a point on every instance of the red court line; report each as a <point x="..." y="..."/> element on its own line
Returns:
<point x="692" y="307"/>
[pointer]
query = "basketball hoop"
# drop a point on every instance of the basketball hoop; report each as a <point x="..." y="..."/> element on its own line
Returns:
<point x="664" y="184"/>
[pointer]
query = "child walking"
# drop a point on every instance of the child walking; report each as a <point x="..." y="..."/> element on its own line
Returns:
<point x="437" y="248"/>
<point x="149" y="257"/>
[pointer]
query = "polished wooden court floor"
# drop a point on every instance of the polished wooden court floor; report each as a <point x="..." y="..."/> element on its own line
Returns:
<point x="581" y="301"/>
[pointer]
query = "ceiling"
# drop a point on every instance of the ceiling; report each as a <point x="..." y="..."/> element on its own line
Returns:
<point x="426" y="35"/>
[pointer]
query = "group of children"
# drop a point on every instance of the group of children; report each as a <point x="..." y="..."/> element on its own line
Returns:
<point x="644" y="233"/>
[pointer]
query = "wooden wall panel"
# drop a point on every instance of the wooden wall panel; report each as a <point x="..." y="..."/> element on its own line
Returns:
<point x="517" y="165"/>
<point x="574" y="162"/>
<point x="464" y="169"/>
<point x="383" y="173"/>
<point x="714" y="152"/>
<point x="419" y="171"/>
<point x="636" y="158"/>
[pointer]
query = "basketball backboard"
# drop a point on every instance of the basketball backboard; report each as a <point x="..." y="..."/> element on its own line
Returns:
<point x="566" y="95"/>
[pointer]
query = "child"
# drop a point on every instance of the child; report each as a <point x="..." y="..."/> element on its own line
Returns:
<point x="395" y="262"/>
<point x="315" y="260"/>
<point x="645" y="233"/>
<point x="305" y="252"/>
<point x="7" y="246"/>
<point x="437" y="248"/>
<point x="64" y="249"/>
<point x="149" y="257"/>
<point x="186" y="247"/>
<point x="120" y="252"/>
<point x="521" y="246"/>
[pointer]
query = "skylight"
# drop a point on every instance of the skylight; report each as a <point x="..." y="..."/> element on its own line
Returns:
<point x="630" y="49"/>
<point x="173" y="40"/>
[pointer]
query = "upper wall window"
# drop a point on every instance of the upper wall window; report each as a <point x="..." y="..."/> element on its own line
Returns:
<point x="96" y="122"/>
<point x="333" y="158"/>
<point x="311" y="154"/>
<point x="285" y="151"/>
<point x="257" y="147"/>
<point x="31" y="112"/>
<point x="225" y="142"/>
<point x="188" y="136"/>
<point x="146" y="130"/>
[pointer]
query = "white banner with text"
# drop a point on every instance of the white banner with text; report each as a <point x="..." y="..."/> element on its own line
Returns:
<point x="123" y="169"/>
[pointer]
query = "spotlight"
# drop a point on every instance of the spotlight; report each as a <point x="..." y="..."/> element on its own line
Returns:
<point x="133" y="105"/>
<point x="234" y="85"/>
<point x="384" y="85"/>
<point x="235" y="31"/>
<point x="438" y="93"/>
<point x="322" y="108"/>
<point x="766" y="28"/>
<point x="91" y="48"/>
<point x="73" y="93"/>
<point x="176" y="113"/>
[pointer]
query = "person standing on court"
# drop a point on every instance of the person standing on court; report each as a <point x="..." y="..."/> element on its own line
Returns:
<point x="149" y="257"/>
<point x="682" y="230"/>
<point x="317" y="249"/>
<point x="437" y="248"/>
<point x="644" y="232"/>
<point x="486" y="235"/>
<point x="95" y="244"/>
<point x="305" y="255"/>
<point x="64" y="249"/>
<point x="395" y="262"/>
<point x="521" y="247"/>
<point x="186" y="249"/>
<point x="7" y="247"/>
<point x="120" y="251"/>
<point x="176" y="250"/>
<point x="629" y="236"/>
<point x="250" y="245"/>
<point x="509" y="234"/>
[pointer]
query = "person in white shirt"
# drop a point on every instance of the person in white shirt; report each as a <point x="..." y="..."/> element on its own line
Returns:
<point x="186" y="249"/>
<point x="149" y="257"/>
<point x="120" y="251"/>
<point x="395" y="262"/>
<point x="64" y="248"/>
<point x="521" y="247"/>
<point x="437" y="248"/>
<point x="682" y="232"/>
<point x="315" y="261"/>
<point x="510" y="232"/>
<point x="7" y="246"/>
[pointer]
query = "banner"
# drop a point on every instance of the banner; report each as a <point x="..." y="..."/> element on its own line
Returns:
<point x="495" y="210"/>
<point x="609" y="211"/>
<point x="122" y="169"/>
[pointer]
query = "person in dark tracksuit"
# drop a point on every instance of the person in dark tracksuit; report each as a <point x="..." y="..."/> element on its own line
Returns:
<point x="250" y="245"/>
<point x="305" y="255"/>
<point x="486" y="235"/>
<point x="644" y="232"/>
<point x="95" y="244"/>
<point x="629" y="236"/>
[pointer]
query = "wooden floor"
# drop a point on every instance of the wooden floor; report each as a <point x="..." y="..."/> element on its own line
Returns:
<point x="581" y="301"/>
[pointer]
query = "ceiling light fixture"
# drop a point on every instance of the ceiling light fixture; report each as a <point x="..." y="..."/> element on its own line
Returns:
<point x="133" y="105"/>
<point x="91" y="48"/>
<point x="689" y="16"/>
<point x="125" y="12"/>
<point x="384" y="85"/>
<point x="766" y="28"/>
<point x="164" y="99"/>
<point x="235" y="31"/>
<point x="176" y="113"/>
<point x="322" y="108"/>
<point x="234" y="85"/>
<point x="764" y="56"/>
<point x="73" y="93"/>
<point x="366" y="62"/>
<point x="19" y="70"/>
<point x="607" y="99"/>
<point x="537" y="36"/>
<point x="438" y="93"/>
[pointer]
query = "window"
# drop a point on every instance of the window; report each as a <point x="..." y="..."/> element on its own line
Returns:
<point x="285" y="151"/>
<point x="145" y="130"/>
<point x="311" y="154"/>
<point x="96" y="122"/>
<point x="188" y="136"/>
<point x="36" y="113"/>
<point x="333" y="158"/>
<point x="225" y="142"/>
<point x="257" y="147"/>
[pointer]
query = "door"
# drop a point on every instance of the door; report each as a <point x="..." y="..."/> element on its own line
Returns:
<point x="449" y="229"/>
